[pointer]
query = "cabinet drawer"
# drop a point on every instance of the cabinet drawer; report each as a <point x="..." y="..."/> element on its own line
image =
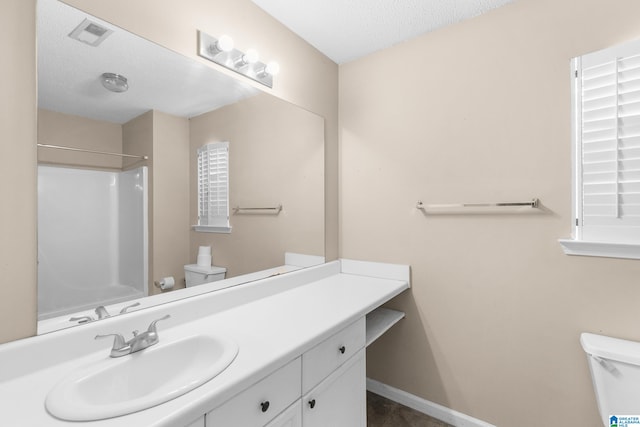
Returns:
<point x="327" y="356"/>
<point x="261" y="402"/>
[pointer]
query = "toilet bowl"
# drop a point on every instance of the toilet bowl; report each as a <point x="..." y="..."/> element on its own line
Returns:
<point x="615" y="371"/>
<point x="195" y="274"/>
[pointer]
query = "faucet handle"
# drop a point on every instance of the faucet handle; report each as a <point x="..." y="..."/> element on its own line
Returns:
<point x="124" y="310"/>
<point x="152" y="326"/>
<point x="118" y="340"/>
<point x="82" y="319"/>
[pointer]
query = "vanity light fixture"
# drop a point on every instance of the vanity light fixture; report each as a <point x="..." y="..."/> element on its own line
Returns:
<point x="114" y="82"/>
<point x="247" y="63"/>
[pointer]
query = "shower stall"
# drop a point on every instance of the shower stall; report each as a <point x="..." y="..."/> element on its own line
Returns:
<point x="92" y="238"/>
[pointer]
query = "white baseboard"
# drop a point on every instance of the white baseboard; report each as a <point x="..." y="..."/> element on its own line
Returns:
<point x="434" y="410"/>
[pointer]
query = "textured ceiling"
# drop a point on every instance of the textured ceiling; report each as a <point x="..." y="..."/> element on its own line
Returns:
<point x="345" y="30"/>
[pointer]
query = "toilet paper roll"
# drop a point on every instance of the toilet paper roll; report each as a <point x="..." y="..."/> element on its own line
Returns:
<point x="204" y="250"/>
<point x="204" y="260"/>
<point x="167" y="283"/>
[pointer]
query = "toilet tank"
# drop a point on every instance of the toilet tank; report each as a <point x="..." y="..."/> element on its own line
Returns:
<point x="615" y="371"/>
<point x="197" y="275"/>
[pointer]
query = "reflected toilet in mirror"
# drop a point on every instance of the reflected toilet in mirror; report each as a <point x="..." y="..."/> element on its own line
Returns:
<point x="203" y="271"/>
<point x="195" y="274"/>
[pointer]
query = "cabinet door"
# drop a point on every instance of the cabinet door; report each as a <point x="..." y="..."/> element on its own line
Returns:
<point x="339" y="400"/>
<point x="291" y="417"/>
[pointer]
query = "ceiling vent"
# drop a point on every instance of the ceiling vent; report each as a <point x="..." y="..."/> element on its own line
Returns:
<point x="90" y="33"/>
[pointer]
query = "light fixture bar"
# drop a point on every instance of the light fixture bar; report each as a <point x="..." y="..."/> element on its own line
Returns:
<point x="234" y="59"/>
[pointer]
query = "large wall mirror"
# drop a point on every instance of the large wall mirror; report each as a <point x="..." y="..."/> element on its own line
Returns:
<point x="118" y="174"/>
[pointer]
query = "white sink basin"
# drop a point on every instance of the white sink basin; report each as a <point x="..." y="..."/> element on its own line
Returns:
<point x="119" y="386"/>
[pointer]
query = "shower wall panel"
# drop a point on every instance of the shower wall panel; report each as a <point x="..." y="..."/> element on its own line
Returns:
<point x="91" y="238"/>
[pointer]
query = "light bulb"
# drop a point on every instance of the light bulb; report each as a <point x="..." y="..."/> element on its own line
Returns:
<point x="224" y="44"/>
<point x="272" y="68"/>
<point x="251" y="57"/>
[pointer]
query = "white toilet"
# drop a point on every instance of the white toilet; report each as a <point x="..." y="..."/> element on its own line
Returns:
<point x="197" y="275"/>
<point x="615" y="370"/>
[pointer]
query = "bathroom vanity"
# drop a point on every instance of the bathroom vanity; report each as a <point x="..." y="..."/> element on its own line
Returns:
<point x="300" y="359"/>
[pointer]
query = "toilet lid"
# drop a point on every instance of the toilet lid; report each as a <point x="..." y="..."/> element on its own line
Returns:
<point x="611" y="348"/>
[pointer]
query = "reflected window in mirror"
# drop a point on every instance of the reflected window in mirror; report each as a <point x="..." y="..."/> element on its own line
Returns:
<point x="213" y="188"/>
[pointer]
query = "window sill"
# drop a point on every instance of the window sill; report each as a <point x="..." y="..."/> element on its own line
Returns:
<point x="211" y="229"/>
<point x="600" y="249"/>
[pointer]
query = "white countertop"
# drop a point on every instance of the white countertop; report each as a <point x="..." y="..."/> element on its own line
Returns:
<point x="270" y="331"/>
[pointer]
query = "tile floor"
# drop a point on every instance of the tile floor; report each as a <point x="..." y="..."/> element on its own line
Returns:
<point x="382" y="412"/>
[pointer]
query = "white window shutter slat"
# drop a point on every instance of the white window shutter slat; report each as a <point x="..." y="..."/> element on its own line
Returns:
<point x="213" y="185"/>
<point x="609" y="144"/>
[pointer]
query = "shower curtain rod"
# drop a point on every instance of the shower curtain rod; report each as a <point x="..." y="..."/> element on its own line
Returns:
<point x="60" y="147"/>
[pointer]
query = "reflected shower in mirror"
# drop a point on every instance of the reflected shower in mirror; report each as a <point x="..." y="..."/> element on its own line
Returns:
<point x="116" y="213"/>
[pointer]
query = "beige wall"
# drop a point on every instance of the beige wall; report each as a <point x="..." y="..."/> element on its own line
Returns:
<point x="481" y="112"/>
<point x="276" y="157"/>
<point x="170" y="198"/>
<point x="18" y="166"/>
<point x="137" y="140"/>
<point x="78" y="132"/>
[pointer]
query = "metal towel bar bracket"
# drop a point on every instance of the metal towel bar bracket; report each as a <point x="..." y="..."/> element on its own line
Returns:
<point x="534" y="203"/>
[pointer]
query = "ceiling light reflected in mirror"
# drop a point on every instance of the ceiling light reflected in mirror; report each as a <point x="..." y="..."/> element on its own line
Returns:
<point x="114" y="82"/>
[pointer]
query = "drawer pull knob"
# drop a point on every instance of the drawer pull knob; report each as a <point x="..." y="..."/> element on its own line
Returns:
<point x="264" y="406"/>
<point x="312" y="403"/>
<point x="342" y="349"/>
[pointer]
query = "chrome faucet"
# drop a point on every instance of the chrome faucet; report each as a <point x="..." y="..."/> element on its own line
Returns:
<point x="140" y="341"/>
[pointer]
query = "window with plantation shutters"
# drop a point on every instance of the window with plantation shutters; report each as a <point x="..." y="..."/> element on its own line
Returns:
<point x="606" y="130"/>
<point x="213" y="187"/>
